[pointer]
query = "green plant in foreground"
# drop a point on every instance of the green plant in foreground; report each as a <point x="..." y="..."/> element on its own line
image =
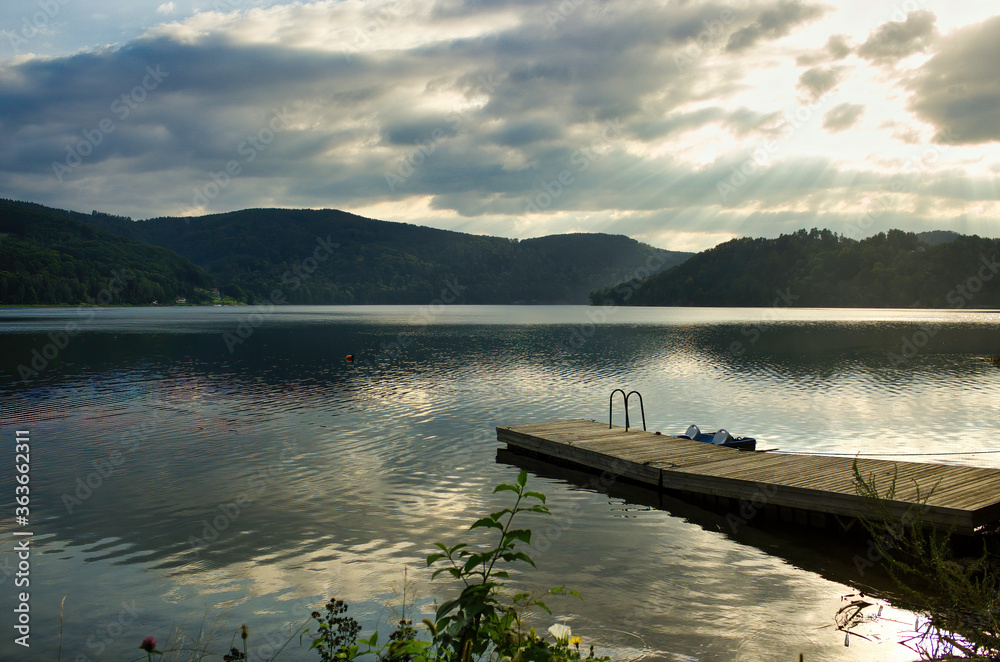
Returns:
<point x="481" y="623"/>
<point x="336" y="638"/>
<point x="477" y="622"/>
<point x="957" y="600"/>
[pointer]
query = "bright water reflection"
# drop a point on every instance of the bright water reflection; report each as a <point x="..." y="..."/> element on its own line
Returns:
<point x="267" y="478"/>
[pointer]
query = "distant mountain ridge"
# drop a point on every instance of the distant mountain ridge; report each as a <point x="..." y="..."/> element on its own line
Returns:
<point x="934" y="237"/>
<point x="334" y="257"/>
<point x="821" y="269"/>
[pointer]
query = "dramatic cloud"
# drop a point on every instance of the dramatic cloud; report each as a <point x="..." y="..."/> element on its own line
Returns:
<point x="838" y="46"/>
<point x="958" y="90"/>
<point x="842" y="116"/>
<point x="773" y="23"/>
<point x="898" y="39"/>
<point x="678" y="123"/>
<point x="819" y="81"/>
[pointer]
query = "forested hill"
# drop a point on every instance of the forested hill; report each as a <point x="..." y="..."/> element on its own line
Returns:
<point x="48" y="258"/>
<point x="821" y="269"/>
<point x="333" y="257"/>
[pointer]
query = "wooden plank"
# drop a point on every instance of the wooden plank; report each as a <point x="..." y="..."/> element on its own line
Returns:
<point x="582" y="456"/>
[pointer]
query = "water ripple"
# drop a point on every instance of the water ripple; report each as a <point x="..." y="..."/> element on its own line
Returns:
<point x="281" y="474"/>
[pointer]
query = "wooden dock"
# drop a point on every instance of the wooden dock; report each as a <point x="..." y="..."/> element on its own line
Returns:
<point x="803" y="488"/>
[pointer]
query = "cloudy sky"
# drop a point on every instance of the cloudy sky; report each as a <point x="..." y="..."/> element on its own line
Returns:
<point x="680" y="123"/>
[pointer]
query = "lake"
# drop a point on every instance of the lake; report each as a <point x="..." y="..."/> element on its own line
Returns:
<point x="201" y="468"/>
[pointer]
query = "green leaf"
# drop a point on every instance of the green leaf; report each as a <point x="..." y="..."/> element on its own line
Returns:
<point x="502" y="574"/>
<point x="488" y="522"/>
<point x="539" y="509"/>
<point x="474" y="560"/>
<point x="431" y="558"/>
<point x="522" y="478"/>
<point x="543" y="606"/>
<point x="523" y="535"/>
<point x="503" y="487"/>
<point x="454" y="572"/>
<point x="520" y="596"/>
<point x="537" y="495"/>
<point x="444" y="609"/>
<point x="517" y="556"/>
<point x="500" y="513"/>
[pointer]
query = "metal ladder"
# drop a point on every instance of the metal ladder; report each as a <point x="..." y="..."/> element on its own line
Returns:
<point x="625" y="397"/>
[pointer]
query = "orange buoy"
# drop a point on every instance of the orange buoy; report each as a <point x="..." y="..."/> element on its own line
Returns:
<point x="350" y="358"/>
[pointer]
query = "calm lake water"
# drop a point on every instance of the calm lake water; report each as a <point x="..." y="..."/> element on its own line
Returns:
<point x="243" y="475"/>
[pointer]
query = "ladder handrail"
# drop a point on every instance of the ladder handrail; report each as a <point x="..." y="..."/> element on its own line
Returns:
<point x="625" y="397"/>
<point x="641" y="410"/>
<point x="611" y="402"/>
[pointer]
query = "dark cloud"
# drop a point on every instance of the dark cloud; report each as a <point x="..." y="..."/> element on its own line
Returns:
<point x="958" y="90"/>
<point x="517" y="133"/>
<point x="408" y="131"/>
<point x="838" y="47"/>
<point x="773" y="23"/>
<point x="842" y="116"/>
<point x="895" y="40"/>
<point x="818" y="82"/>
